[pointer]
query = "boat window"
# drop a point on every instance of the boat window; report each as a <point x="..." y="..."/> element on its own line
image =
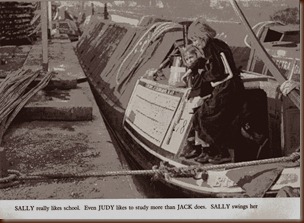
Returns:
<point x="289" y="36"/>
<point x="292" y="36"/>
<point x="272" y="36"/>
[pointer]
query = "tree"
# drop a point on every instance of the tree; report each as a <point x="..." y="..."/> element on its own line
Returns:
<point x="287" y="16"/>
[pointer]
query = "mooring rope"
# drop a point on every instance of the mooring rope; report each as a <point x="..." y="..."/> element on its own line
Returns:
<point x="163" y="171"/>
<point x="291" y="158"/>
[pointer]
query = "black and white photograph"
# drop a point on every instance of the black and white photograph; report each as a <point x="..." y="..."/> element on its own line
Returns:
<point x="150" y="109"/>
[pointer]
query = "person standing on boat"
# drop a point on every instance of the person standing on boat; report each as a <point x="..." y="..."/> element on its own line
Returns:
<point x="216" y="121"/>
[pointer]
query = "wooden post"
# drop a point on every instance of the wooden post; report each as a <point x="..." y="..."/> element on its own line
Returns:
<point x="93" y="10"/>
<point x="106" y="13"/>
<point x="44" y="36"/>
<point x="3" y="163"/>
<point x="50" y="18"/>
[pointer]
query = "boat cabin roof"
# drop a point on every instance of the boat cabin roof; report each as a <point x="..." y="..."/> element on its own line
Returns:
<point x="280" y="34"/>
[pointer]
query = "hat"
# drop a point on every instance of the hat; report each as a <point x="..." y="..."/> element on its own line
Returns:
<point x="200" y="29"/>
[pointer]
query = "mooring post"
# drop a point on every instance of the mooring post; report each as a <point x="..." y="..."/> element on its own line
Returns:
<point x="50" y="26"/>
<point x="44" y="35"/>
<point x="93" y="10"/>
<point x="3" y="163"/>
<point x="106" y="13"/>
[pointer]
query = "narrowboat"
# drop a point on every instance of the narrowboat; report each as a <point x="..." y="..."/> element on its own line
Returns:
<point x="152" y="117"/>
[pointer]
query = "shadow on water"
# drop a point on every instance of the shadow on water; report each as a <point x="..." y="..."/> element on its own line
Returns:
<point x="155" y="189"/>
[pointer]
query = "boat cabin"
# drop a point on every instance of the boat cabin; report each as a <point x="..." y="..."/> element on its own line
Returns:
<point x="283" y="44"/>
<point x="66" y="27"/>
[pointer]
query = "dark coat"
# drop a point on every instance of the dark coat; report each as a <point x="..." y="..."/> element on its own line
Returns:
<point x="199" y="86"/>
<point x="217" y="120"/>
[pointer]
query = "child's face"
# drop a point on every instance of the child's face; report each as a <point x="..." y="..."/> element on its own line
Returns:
<point x="190" y="58"/>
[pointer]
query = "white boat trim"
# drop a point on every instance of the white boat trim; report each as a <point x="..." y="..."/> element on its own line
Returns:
<point x="236" y="189"/>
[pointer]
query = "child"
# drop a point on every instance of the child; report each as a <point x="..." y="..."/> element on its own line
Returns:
<point x="195" y="62"/>
<point x="199" y="90"/>
<point x="190" y="55"/>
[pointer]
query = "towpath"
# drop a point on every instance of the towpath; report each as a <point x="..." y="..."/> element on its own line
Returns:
<point x="62" y="131"/>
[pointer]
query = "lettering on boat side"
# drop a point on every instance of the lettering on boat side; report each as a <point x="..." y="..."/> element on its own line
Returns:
<point x="150" y="112"/>
<point x="159" y="89"/>
<point x="221" y="181"/>
<point x="287" y="65"/>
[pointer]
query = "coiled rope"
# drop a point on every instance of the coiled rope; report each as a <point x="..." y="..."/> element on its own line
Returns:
<point x="158" y="29"/>
<point x="163" y="171"/>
